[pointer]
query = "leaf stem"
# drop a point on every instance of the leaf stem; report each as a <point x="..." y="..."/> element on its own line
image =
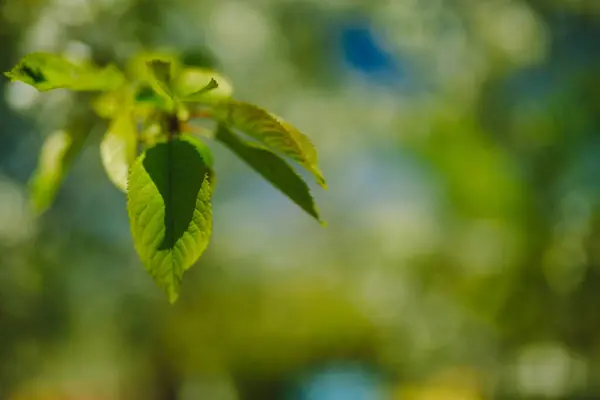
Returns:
<point x="196" y="130"/>
<point x="201" y="114"/>
<point x="173" y="126"/>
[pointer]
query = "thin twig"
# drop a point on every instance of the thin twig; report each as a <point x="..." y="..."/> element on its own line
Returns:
<point x="201" y="114"/>
<point x="196" y="130"/>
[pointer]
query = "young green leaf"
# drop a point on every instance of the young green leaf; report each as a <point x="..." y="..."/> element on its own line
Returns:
<point x="160" y="70"/>
<point x="57" y="154"/>
<point x="272" y="167"/>
<point x="276" y="134"/>
<point x="46" y="71"/>
<point x="148" y="97"/>
<point x="137" y="67"/>
<point x="118" y="148"/>
<point x="168" y="200"/>
<point x="160" y="73"/>
<point x="200" y="85"/>
<point x="110" y="103"/>
<point x="210" y="86"/>
<point x="107" y="104"/>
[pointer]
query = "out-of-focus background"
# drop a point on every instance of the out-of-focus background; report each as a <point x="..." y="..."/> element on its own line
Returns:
<point x="461" y="142"/>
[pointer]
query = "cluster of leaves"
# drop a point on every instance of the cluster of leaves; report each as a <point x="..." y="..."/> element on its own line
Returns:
<point x="150" y="152"/>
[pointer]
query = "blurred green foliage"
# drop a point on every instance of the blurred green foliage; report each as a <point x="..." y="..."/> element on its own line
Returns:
<point x="461" y="259"/>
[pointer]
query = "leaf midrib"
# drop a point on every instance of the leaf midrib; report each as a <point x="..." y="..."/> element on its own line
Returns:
<point x="168" y="200"/>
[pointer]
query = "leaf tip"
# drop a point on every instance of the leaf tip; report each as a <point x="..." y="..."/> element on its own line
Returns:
<point x="321" y="181"/>
<point x="317" y="215"/>
<point x="318" y="176"/>
<point x="158" y="63"/>
<point x="171" y="289"/>
<point x="173" y="296"/>
<point x="212" y="84"/>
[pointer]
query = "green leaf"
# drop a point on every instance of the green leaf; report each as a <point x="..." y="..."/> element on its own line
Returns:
<point x="107" y="104"/>
<point x="147" y="99"/>
<point x="198" y="85"/>
<point x="147" y="95"/>
<point x="210" y="86"/>
<point x="57" y="154"/>
<point x="272" y="167"/>
<point x="168" y="200"/>
<point x="137" y="67"/>
<point x="118" y="148"/>
<point x="269" y="129"/>
<point x="160" y="72"/>
<point x="46" y="71"/>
